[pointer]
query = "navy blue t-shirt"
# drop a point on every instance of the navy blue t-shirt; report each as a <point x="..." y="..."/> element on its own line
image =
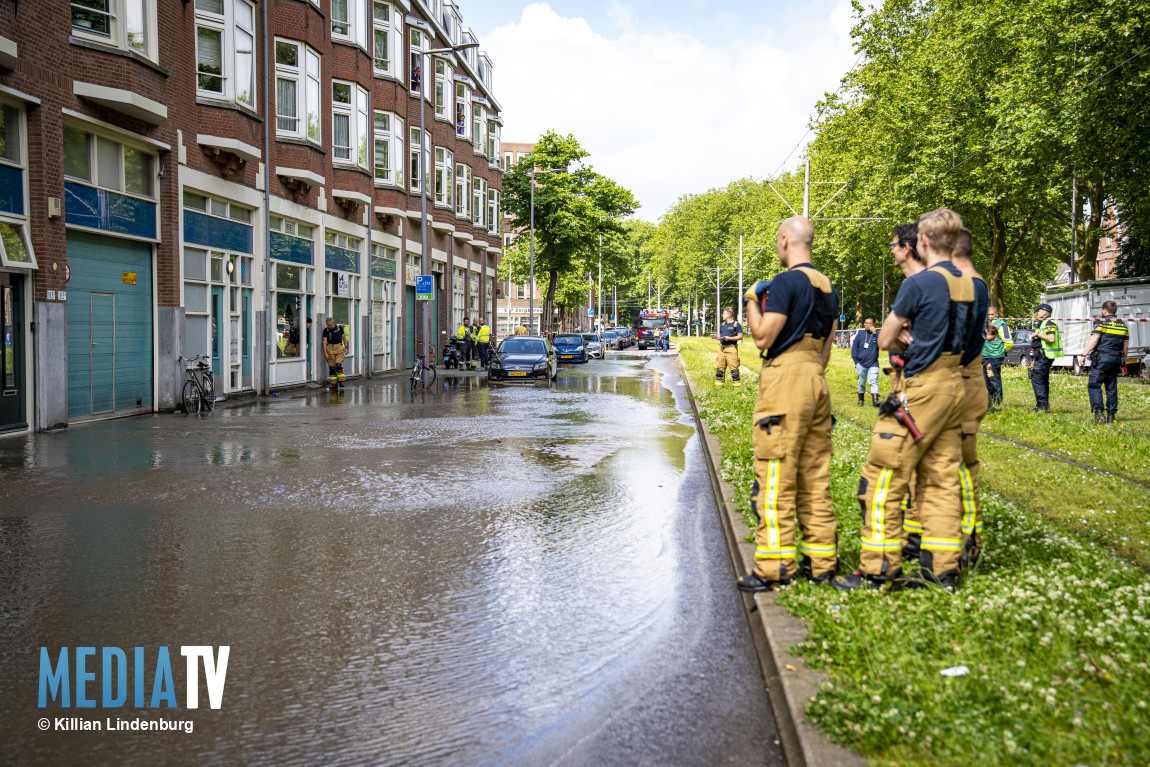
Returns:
<point x="793" y="294"/>
<point x="924" y="299"/>
<point x="976" y="335"/>
<point x="728" y="329"/>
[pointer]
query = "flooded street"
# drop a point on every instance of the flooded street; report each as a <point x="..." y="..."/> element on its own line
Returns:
<point x="472" y="575"/>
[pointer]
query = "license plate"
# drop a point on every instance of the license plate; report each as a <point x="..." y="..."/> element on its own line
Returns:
<point x="517" y="373"/>
<point x="568" y="356"/>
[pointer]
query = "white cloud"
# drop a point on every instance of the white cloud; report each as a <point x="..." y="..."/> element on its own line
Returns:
<point x="666" y="114"/>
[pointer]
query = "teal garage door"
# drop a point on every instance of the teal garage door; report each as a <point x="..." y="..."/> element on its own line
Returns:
<point x="109" y="325"/>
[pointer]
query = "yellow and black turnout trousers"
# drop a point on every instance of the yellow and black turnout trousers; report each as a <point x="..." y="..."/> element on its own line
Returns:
<point x="792" y="462"/>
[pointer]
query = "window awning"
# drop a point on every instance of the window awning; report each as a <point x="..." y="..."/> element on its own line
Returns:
<point x="125" y="102"/>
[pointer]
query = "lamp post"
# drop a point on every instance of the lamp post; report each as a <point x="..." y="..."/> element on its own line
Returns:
<point x="425" y="180"/>
<point x="531" y="305"/>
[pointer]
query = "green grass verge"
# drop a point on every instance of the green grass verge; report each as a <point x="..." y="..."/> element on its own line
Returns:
<point x="1053" y="629"/>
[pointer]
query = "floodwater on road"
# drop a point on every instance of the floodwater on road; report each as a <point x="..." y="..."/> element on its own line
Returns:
<point x="474" y="574"/>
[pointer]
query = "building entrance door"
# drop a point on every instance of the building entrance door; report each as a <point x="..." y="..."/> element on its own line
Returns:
<point x="11" y="354"/>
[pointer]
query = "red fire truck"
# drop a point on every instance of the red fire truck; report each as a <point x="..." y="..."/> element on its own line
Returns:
<point x="649" y="326"/>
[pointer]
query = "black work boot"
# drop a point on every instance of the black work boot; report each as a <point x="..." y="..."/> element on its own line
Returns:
<point x="874" y="400"/>
<point x="807" y="571"/>
<point x="859" y="580"/>
<point x="1112" y="416"/>
<point x="925" y="578"/>
<point x="860" y="399"/>
<point x="753" y="583"/>
<point x="1100" y="417"/>
<point x="911" y="548"/>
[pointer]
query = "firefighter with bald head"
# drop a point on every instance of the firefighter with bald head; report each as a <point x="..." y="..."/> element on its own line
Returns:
<point x="791" y="426"/>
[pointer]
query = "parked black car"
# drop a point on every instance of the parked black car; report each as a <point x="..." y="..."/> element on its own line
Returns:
<point x="523" y="358"/>
<point x="1020" y="354"/>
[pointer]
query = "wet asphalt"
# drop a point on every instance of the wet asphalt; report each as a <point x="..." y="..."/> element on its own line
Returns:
<point x="476" y="574"/>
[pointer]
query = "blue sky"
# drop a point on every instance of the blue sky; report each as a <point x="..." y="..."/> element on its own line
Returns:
<point x="669" y="97"/>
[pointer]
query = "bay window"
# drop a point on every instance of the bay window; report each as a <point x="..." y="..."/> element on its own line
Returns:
<point x="463" y="111"/>
<point x="350" y="21"/>
<point x="479" y="203"/>
<point x="126" y="24"/>
<point x="225" y="50"/>
<point x="413" y="153"/>
<point x="444" y="176"/>
<point x="493" y="210"/>
<point x="479" y="128"/>
<point x="349" y="123"/>
<point x="444" y="76"/>
<point x="297" y="90"/>
<point x="388" y="148"/>
<point x="387" y="49"/>
<point x="419" y="43"/>
<point x="463" y="191"/>
<point x="494" y="143"/>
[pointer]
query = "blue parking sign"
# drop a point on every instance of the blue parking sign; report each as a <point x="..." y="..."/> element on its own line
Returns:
<point x="424" y="285"/>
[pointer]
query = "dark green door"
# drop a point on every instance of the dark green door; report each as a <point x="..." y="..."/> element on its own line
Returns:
<point x="11" y="354"/>
<point x="110" y="336"/>
<point x="246" y="336"/>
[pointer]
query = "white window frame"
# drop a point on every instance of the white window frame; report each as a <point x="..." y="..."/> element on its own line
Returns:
<point x="419" y="42"/>
<point x="479" y="129"/>
<point x="117" y="36"/>
<point x="305" y="74"/>
<point x="18" y="223"/>
<point x="463" y="111"/>
<point x="356" y="112"/>
<point x="230" y="30"/>
<point x="357" y="25"/>
<point x="494" y="143"/>
<point x="415" y="183"/>
<point x="94" y="180"/>
<point x="479" y="203"/>
<point x="493" y="211"/>
<point x="444" y="98"/>
<point x="463" y="191"/>
<point x="390" y="133"/>
<point x="444" y="177"/>
<point x="392" y="31"/>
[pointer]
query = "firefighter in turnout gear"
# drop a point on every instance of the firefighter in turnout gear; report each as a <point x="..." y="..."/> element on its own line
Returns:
<point x="729" y="335"/>
<point x="1045" y="346"/>
<point x="921" y="429"/>
<point x="792" y="417"/>
<point x="1107" y="349"/>
<point x="334" y="349"/>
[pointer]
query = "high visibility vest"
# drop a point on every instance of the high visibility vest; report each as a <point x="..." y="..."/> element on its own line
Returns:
<point x="474" y="332"/>
<point x="484" y="334"/>
<point x="1004" y="334"/>
<point x="1051" y="351"/>
<point x="461" y="334"/>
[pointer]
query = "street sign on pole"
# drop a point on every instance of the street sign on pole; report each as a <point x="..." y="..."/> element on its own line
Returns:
<point x="424" y="285"/>
<point x="590" y="312"/>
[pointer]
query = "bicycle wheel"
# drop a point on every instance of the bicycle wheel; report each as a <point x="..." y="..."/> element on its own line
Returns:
<point x="209" y="385"/>
<point x="416" y="379"/>
<point x="191" y="397"/>
<point x="433" y="374"/>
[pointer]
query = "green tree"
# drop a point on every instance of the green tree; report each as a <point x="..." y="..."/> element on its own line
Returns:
<point x="572" y="207"/>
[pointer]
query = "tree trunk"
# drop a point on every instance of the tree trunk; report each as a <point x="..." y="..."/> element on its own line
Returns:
<point x="547" y="319"/>
<point x="1089" y="232"/>
<point x="859" y="310"/>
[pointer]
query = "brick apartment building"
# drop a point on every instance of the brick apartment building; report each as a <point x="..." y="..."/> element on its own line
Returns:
<point x="199" y="177"/>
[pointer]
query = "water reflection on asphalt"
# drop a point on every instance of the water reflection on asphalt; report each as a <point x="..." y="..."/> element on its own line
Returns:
<point x="472" y="574"/>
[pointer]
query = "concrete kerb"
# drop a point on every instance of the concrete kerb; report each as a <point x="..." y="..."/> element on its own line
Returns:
<point x="790" y="683"/>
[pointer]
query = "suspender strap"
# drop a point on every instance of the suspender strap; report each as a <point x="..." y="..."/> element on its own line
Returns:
<point x="961" y="291"/>
<point x="821" y="318"/>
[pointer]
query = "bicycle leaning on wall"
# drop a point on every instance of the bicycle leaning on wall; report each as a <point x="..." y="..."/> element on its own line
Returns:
<point x="200" y="389"/>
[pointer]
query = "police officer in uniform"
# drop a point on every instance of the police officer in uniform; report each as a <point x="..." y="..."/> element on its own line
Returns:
<point x="792" y="417"/>
<point x="1045" y="347"/>
<point x="1107" y="349"/>
<point x="334" y="349"/>
<point x="729" y="335"/>
<point x="936" y="307"/>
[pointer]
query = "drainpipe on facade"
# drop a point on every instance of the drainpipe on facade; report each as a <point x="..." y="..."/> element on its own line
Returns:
<point x="269" y="312"/>
<point x="368" y="355"/>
